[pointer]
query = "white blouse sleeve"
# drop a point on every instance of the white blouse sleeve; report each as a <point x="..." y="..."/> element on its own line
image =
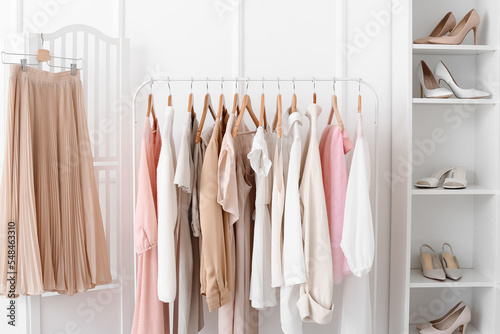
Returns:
<point x="358" y="242"/>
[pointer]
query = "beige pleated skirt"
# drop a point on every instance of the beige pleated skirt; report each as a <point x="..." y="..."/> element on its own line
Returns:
<point x="48" y="194"/>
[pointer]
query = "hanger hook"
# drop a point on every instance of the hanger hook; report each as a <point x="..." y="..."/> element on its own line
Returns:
<point x="359" y="86"/>
<point x="222" y="85"/>
<point x="191" y="84"/>
<point x="169" y="89"/>
<point x="246" y="88"/>
<point x="334" y="88"/>
<point x="262" y="85"/>
<point x="293" y="81"/>
<point x="279" y="88"/>
<point x="236" y="84"/>
<point x="151" y="86"/>
<point x="207" y="85"/>
<point x="314" y="85"/>
<point x="41" y="36"/>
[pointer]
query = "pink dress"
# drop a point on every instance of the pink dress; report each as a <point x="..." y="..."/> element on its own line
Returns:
<point x="333" y="146"/>
<point x="150" y="314"/>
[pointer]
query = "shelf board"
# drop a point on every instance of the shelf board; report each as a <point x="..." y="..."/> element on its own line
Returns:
<point x="455" y="101"/>
<point x="113" y="285"/>
<point x="472" y="189"/>
<point x="438" y="49"/>
<point x="470" y="279"/>
<point x="470" y="330"/>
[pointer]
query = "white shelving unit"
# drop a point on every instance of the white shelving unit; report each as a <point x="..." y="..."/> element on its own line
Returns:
<point x="436" y="49"/>
<point x="470" y="279"/>
<point x="429" y="134"/>
<point x="470" y="330"/>
<point x="449" y="101"/>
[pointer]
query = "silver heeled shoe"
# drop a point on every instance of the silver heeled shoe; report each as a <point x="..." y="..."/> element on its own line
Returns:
<point x="451" y="265"/>
<point x="431" y="265"/>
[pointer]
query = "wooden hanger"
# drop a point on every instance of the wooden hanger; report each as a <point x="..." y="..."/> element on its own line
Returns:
<point x="207" y="105"/>
<point x="236" y="100"/>
<point x="314" y="91"/>
<point x="293" y="107"/>
<point x="151" y="107"/>
<point x="43" y="54"/>
<point x="263" y="118"/>
<point x="169" y="102"/>
<point x="278" y="117"/>
<point x="222" y="102"/>
<point x="335" y="110"/>
<point x="247" y="105"/>
<point x="359" y="97"/>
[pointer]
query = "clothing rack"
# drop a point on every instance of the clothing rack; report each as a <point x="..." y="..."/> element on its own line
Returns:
<point x="359" y="81"/>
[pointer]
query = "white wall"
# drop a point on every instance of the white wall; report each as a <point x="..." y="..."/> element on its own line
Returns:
<point x="280" y="38"/>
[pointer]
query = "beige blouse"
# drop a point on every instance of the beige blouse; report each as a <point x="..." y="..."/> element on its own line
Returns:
<point x="316" y="295"/>
<point x="215" y="275"/>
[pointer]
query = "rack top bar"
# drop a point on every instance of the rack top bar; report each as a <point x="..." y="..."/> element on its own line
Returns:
<point x="309" y="79"/>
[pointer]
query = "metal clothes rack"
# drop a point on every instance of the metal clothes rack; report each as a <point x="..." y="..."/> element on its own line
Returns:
<point x="359" y="81"/>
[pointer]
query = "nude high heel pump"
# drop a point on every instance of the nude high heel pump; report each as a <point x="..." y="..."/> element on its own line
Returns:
<point x="429" y="87"/>
<point x="458" y="319"/>
<point x="441" y="72"/>
<point x="443" y="318"/>
<point x="470" y="22"/>
<point x="444" y="26"/>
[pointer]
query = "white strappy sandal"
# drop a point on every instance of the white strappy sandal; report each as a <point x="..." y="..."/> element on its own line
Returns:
<point x="433" y="181"/>
<point x="457" y="179"/>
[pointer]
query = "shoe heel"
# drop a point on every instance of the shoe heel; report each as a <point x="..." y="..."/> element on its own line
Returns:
<point x="421" y="91"/>
<point x="464" y="327"/>
<point x="475" y="35"/>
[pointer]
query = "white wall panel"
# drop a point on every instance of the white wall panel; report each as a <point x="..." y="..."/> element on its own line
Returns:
<point x="280" y="38"/>
<point x="50" y="15"/>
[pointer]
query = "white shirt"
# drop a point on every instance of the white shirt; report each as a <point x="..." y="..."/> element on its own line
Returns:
<point x="262" y="294"/>
<point x="167" y="212"/>
<point x="316" y="295"/>
<point x="358" y="243"/>
<point x="293" y="251"/>
<point x="277" y="210"/>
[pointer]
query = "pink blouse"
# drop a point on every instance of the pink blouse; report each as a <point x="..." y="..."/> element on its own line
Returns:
<point x="333" y="146"/>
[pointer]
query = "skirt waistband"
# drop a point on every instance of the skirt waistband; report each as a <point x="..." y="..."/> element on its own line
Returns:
<point x="41" y="75"/>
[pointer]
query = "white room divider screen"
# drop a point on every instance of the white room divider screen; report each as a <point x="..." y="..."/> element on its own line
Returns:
<point x="105" y="78"/>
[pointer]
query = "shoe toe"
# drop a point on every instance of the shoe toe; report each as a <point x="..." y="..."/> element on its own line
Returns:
<point x="480" y="94"/>
<point x="437" y="40"/>
<point x="423" y="326"/>
<point x="424" y="40"/>
<point x="437" y="274"/>
<point x="454" y="274"/>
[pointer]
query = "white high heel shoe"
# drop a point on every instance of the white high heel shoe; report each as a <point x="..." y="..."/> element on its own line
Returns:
<point x="442" y="72"/>
<point x="429" y="87"/>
